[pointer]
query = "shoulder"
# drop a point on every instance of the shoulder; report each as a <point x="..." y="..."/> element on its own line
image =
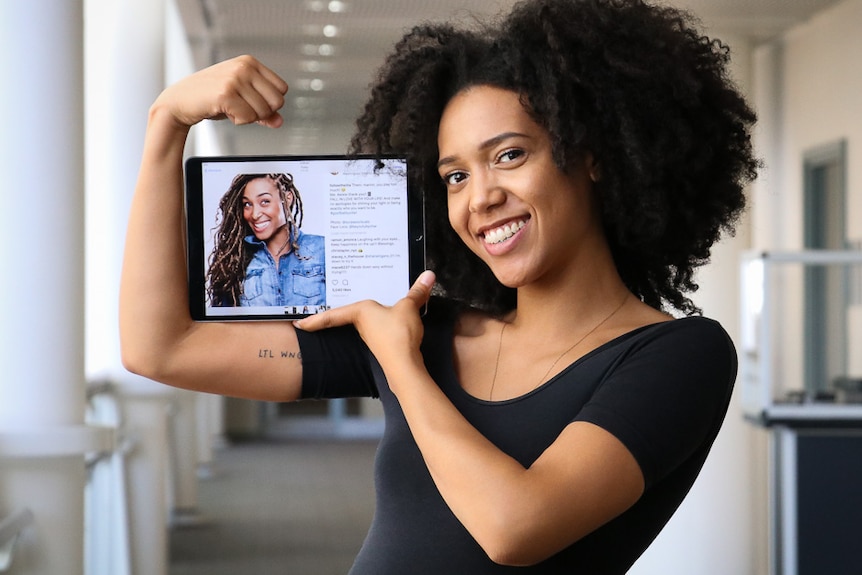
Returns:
<point x="684" y="348"/>
<point x="310" y="239"/>
<point x="665" y="391"/>
<point x="692" y="358"/>
<point x="689" y="334"/>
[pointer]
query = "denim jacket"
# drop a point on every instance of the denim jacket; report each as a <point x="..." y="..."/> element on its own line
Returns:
<point x="295" y="281"/>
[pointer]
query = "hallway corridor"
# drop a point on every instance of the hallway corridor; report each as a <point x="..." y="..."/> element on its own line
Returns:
<point x="285" y="505"/>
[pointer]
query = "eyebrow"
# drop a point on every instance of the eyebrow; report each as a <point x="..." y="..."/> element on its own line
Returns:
<point x="247" y="196"/>
<point x="489" y="143"/>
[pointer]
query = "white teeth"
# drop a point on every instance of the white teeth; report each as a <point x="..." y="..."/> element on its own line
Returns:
<point x="503" y="233"/>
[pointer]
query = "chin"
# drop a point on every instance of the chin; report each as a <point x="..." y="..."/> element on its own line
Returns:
<point x="511" y="280"/>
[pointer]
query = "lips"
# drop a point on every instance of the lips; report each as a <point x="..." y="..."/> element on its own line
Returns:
<point x="502" y="233"/>
<point x="260" y="226"/>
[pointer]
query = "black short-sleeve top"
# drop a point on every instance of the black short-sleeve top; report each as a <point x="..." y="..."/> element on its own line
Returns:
<point x="662" y="390"/>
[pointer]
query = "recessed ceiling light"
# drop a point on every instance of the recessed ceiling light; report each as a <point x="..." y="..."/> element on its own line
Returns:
<point x="336" y="6"/>
<point x="317" y="49"/>
<point x="308" y="102"/>
<point x="312" y="85"/>
<point x="315" y="66"/>
<point x="310" y="65"/>
<point x="328" y="30"/>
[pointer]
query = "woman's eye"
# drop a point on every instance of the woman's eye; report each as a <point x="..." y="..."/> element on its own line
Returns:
<point x="509" y="155"/>
<point x="454" y="178"/>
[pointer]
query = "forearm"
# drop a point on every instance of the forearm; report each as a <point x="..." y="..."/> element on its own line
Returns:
<point x="489" y="491"/>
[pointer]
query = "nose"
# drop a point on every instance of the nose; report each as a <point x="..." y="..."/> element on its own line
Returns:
<point x="486" y="193"/>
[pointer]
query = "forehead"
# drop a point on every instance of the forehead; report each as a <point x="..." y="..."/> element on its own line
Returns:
<point x="479" y="113"/>
<point x="259" y="186"/>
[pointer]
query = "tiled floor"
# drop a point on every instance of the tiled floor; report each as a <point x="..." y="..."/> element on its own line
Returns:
<point x="295" y="503"/>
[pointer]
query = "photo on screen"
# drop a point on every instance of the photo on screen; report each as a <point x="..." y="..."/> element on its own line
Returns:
<point x="283" y="237"/>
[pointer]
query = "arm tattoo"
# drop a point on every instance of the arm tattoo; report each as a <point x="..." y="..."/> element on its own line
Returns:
<point x="271" y="354"/>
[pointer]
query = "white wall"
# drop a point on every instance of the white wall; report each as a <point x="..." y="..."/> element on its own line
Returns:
<point x="807" y="89"/>
<point x="816" y="100"/>
<point x="810" y="88"/>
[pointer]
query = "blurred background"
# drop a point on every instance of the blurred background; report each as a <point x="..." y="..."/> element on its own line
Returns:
<point x="105" y="473"/>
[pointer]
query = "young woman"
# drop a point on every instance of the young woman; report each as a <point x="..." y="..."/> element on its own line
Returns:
<point x="261" y="257"/>
<point x="577" y="163"/>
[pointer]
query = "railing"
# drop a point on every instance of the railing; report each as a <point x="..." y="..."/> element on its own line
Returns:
<point x="106" y="535"/>
<point x="108" y="448"/>
<point x="10" y="528"/>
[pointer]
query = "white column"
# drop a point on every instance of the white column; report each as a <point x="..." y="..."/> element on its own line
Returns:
<point x="125" y="51"/>
<point x="42" y="434"/>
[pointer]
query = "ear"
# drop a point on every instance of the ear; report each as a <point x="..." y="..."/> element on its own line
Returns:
<point x="593" y="167"/>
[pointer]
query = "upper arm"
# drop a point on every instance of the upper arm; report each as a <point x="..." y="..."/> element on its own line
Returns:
<point x="255" y="360"/>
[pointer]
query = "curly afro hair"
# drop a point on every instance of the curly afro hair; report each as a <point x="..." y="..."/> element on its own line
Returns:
<point x="635" y="85"/>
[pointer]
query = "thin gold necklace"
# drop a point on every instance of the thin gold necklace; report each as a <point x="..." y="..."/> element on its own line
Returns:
<point x="559" y="357"/>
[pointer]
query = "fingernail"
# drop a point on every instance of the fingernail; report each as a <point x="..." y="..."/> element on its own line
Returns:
<point x="426" y="278"/>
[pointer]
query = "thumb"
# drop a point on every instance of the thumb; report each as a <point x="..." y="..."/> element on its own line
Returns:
<point x="274" y="121"/>
<point x="420" y="291"/>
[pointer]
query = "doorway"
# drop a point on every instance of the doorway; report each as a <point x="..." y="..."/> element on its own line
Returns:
<point x="826" y="297"/>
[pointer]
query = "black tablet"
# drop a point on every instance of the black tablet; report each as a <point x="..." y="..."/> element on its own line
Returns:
<point x="283" y="237"/>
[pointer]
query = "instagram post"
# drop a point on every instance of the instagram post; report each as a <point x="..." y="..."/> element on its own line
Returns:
<point x="284" y="237"/>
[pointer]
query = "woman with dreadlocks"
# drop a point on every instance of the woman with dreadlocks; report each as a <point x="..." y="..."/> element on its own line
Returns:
<point x="548" y="413"/>
<point x="261" y="257"/>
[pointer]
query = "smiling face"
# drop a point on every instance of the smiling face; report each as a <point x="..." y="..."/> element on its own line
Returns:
<point x="508" y="201"/>
<point x="262" y="209"/>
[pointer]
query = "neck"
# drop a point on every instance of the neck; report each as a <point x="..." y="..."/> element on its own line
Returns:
<point x="588" y="290"/>
<point x="279" y="243"/>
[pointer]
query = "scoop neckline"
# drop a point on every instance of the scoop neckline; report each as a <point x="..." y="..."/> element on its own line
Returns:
<point x="453" y="374"/>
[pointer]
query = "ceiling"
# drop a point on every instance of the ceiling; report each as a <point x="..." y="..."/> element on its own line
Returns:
<point x="328" y="50"/>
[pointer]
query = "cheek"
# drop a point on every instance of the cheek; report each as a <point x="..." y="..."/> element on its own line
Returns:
<point x="458" y="214"/>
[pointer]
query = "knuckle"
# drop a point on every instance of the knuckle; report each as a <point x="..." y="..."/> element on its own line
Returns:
<point x="245" y="62"/>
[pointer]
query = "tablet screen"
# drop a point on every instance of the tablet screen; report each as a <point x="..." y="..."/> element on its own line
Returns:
<point x="283" y="237"/>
